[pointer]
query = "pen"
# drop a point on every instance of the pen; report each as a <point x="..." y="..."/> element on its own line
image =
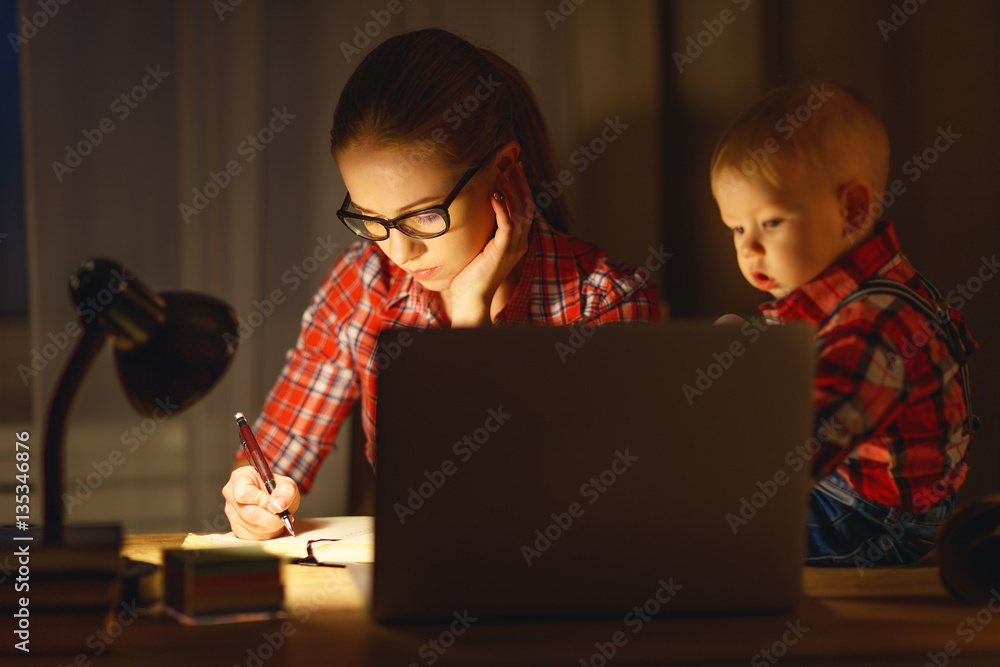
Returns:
<point x="252" y="451"/>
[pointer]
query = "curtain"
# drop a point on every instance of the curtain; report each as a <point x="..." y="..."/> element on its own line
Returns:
<point x="188" y="141"/>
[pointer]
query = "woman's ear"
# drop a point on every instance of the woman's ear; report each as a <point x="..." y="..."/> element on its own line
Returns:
<point x="855" y="208"/>
<point x="507" y="155"/>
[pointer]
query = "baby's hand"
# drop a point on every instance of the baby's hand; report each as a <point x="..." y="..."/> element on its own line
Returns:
<point x="473" y="289"/>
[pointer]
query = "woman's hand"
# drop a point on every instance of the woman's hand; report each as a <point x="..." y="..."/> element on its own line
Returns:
<point x="474" y="290"/>
<point x="251" y="511"/>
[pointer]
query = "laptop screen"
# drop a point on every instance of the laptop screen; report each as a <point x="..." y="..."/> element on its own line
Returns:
<point x="515" y="462"/>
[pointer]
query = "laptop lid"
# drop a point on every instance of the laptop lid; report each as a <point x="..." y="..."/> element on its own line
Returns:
<point x="525" y="471"/>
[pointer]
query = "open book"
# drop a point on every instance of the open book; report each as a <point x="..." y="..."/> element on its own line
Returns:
<point x="354" y="540"/>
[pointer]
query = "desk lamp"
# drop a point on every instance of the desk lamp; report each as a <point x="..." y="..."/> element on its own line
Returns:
<point x="167" y="346"/>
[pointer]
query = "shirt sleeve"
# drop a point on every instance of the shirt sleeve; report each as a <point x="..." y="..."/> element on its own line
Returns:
<point x="890" y="405"/>
<point x="860" y="386"/>
<point x="618" y="294"/>
<point x="316" y="390"/>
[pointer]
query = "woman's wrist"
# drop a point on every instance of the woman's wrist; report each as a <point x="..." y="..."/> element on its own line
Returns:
<point x="474" y="313"/>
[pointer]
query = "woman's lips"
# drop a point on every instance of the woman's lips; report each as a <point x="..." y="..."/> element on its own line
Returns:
<point x="424" y="274"/>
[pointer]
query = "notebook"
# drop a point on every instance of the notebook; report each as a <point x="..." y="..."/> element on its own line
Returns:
<point x="336" y="539"/>
<point x="552" y="472"/>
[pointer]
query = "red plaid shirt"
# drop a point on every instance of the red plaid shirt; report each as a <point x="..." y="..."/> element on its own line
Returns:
<point x="564" y="281"/>
<point x="888" y="394"/>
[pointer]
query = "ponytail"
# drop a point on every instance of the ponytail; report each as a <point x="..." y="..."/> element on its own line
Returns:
<point x="435" y="95"/>
<point x="532" y="132"/>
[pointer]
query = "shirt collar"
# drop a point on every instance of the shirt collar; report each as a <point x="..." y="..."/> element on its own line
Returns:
<point x="407" y="303"/>
<point x="813" y="300"/>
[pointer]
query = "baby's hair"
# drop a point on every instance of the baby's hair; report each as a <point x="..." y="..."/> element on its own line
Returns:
<point x="815" y="122"/>
<point x="440" y="98"/>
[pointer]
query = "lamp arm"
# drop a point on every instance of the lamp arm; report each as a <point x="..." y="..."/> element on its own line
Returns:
<point x="55" y="430"/>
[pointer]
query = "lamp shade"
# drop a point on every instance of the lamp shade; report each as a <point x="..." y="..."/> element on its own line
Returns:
<point x="170" y="348"/>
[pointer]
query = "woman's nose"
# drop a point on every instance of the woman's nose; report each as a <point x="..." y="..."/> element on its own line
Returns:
<point x="401" y="248"/>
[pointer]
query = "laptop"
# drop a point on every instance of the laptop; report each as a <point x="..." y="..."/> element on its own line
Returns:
<point x="527" y="472"/>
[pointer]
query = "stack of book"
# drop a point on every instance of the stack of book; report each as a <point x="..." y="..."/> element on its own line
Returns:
<point x="221" y="585"/>
<point x="58" y="597"/>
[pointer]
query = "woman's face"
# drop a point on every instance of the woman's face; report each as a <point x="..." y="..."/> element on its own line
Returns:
<point x="388" y="182"/>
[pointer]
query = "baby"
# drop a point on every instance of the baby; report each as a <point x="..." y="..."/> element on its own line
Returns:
<point x="798" y="180"/>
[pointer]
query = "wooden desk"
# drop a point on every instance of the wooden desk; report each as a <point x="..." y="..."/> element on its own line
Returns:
<point x="887" y="617"/>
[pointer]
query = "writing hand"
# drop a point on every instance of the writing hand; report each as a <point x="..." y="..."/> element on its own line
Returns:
<point x="474" y="289"/>
<point x="251" y="511"/>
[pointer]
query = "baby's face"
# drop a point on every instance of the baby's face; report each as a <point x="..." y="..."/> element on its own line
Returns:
<point x="784" y="236"/>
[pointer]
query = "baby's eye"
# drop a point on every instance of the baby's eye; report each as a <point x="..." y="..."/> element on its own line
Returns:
<point x="771" y="224"/>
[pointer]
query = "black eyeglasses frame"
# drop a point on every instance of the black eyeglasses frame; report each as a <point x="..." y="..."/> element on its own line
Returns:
<point x="441" y="209"/>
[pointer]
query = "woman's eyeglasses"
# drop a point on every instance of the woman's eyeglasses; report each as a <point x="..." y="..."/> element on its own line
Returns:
<point x="426" y="223"/>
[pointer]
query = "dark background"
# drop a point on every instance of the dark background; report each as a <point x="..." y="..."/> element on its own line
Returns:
<point x="588" y="62"/>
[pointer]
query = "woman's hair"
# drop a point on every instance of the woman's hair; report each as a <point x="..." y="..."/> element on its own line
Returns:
<point x="438" y="97"/>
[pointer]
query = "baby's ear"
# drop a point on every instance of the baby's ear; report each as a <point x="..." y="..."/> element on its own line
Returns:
<point x="855" y="207"/>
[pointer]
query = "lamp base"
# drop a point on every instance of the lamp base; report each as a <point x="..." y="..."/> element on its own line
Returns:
<point x="59" y="597"/>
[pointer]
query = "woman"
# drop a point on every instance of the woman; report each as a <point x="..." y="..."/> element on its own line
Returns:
<point x="441" y="145"/>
